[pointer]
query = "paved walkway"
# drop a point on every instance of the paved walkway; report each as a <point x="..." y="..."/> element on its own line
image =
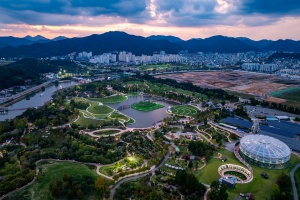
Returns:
<point x="292" y="175"/>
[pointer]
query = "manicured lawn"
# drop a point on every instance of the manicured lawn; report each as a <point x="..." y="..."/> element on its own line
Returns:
<point x="111" y="99"/>
<point x="119" y="116"/>
<point x="146" y="106"/>
<point x="262" y="188"/>
<point x="186" y="110"/>
<point x="51" y="170"/>
<point x="85" y="122"/>
<point x="297" y="179"/>
<point x="95" y="108"/>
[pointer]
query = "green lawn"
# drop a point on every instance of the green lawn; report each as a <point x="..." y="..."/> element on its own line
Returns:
<point x="110" y="99"/>
<point x="118" y="116"/>
<point x="107" y="132"/>
<point x="50" y="170"/>
<point x="146" y="106"/>
<point x="85" y="122"/>
<point x="260" y="187"/>
<point x="297" y="179"/>
<point x="186" y="110"/>
<point x="95" y="108"/>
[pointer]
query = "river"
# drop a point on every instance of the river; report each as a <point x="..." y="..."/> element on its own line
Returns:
<point x="36" y="100"/>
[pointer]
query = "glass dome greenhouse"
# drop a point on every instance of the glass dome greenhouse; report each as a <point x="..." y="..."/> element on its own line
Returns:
<point x="265" y="151"/>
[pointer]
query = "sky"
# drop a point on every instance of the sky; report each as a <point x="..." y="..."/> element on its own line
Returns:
<point x="255" y="19"/>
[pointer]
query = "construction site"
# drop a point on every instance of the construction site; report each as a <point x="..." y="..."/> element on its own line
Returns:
<point x="255" y="84"/>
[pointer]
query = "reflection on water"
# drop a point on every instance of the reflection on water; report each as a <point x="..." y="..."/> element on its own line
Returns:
<point x="35" y="100"/>
<point x="143" y="119"/>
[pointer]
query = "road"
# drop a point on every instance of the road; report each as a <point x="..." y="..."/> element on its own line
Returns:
<point x="292" y="175"/>
<point x="113" y="190"/>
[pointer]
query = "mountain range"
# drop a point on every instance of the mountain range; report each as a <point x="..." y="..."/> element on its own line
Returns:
<point x="40" y="46"/>
<point x="27" y="40"/>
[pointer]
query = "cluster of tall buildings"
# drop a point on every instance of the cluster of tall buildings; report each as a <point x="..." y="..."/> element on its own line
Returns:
<point x="256" y="67"/>
<point x="128" y="57"/>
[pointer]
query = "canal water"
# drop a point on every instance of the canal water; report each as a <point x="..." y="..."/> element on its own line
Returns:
<point x="38" y="99"/>
<point x="143" y="119"/>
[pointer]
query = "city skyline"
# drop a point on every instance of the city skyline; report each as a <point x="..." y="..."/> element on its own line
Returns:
<point x="185" y="19"/>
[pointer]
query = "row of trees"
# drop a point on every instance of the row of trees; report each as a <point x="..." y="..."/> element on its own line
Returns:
<point x="273" y="105"/>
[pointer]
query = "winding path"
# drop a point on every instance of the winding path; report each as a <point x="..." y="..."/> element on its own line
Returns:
<point x="113" y="190"/>
<point x="292" y="175"/>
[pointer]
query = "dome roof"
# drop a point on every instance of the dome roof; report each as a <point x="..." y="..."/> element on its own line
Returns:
<point x="262" y="146"/>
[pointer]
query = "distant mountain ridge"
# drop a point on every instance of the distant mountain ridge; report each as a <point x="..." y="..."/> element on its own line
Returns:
<point x="170" y="38"/>
<point x="27" y="40"/>
<point x="121" y="41"/>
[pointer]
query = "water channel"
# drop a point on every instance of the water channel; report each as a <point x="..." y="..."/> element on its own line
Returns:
<point x="38" y="99"/>
<point x="143" y="119"/>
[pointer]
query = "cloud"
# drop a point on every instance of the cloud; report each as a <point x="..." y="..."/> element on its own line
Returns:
<point x="271" y="7"/>
<point x="157" y="15"/>
<point x="68" y="11"/>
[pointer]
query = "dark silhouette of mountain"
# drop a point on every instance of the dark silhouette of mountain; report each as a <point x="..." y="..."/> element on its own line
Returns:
<point x="107" y="42"/>
<point x="284" y="45"/>
<point x="217" y="43"/>
<point x="13" y="41"/>
<point x="120" y="41"/>
<point x="170" y="38"/>
<point x="260" y="44"/>
<point x="284" y="55"/>
<point x="59" y="38"/>
<point x="36" y="38"/>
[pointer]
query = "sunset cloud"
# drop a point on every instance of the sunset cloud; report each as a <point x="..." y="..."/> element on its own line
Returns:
<point x="186" y="19"/>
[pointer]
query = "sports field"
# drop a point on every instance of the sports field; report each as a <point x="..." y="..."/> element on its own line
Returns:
<point x="186" y="110"/>
<point x="146" y="106"/>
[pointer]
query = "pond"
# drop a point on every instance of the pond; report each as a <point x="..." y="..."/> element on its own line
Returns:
<point x="143" y="119"/>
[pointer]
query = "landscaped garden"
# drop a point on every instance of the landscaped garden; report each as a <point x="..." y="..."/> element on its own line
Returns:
<point x="185" y="110"/>
<point x="96" y="113"/>
<point x="262" y="188"/>
<point x="146" y="106"/>
<point x="129" y="163"/>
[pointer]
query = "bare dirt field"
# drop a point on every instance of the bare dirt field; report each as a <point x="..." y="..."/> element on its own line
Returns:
<point x="237" y="81"/>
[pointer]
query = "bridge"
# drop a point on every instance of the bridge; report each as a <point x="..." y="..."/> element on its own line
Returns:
<point x="3" y="110"/>
<point x="123" y="107"/>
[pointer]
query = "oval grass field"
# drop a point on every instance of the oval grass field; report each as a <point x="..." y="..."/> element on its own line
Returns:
<point x="186" y="110"/>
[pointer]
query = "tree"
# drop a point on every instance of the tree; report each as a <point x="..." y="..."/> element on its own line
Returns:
<point x="100" y="185"/>
<point x="218" y="191"/>
<point x="190" y="164"/>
